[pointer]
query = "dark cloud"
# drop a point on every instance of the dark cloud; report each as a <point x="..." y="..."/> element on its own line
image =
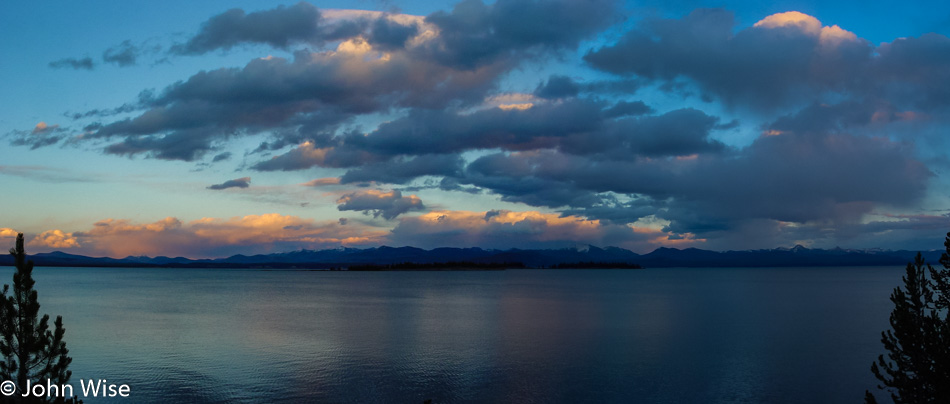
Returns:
<point x="278" y="27"/>
<point x="427" y="142"/>
<point x="403" y="170"/>
<point x="784" y="59"/>
<point x="388" y="34"/>
<point x="504" y="229"/>
<point x="73" y="63"/>
<point x="767" y="65"/>
<point x="123" y="55"/>
<point x="301" y="99"/>
<point x="243" y="182"/>
<point x="830" y="106"/>
<point x="40" y="136"/>
<point x="914" y="71"/>
<point x="624" y="108"/>
<point x="430" y="131"/>
<point x="386" y="204"/>
<point x="475" y="34"/>
<point x="680" y="132"/>
<point x="792" y="178"/>
<point x="221" y="157"/>
<point x="102" y="113"/>
<point x="186" y="145"/>
<point x="557" y="87"/>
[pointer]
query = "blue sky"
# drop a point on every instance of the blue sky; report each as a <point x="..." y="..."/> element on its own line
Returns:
<point x="213" y="128"/>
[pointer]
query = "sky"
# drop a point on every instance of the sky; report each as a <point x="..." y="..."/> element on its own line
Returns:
<point x="207" y="129"/>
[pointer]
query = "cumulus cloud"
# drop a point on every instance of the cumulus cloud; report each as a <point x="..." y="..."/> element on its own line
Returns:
<point x="504" y="229"/>
<point x="242" y="182"/>
<point x="390" y="34"/>
<point x="378" y="203"/>
<point x="795" y="178"/>
<point x="475" y="33"/>
<point x="829" y="106"/>
<point x="784" y="57"/>
<point x="278" y="27"/>
<point x="56" y="239"/>
<point x="217" y="237"/>
<point x="380" y="62"/>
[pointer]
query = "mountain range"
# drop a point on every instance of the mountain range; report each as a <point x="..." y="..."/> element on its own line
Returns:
<point x="660" y="258"/>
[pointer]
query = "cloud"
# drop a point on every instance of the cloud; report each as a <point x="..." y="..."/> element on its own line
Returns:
<point x="320" y="182"/>
<point x="795" y="178"/>
<point x="783" y="58"/>
<point x="557" y="87"/>
<point x="123" y="55"/>
<point x="844" y="124"/>
<point x="504" y="229"/>
<point x="303" y="156"/>
<point x="401" y="170"/>
<point x="221" y="157"/>
<point x="475" y="33"/>
<point x="216" y="237"/>
<point x="42" y="128"/>
<point x="439" y="131"/>
<point x="311" y="94"/>
<point x="55" y="239"/>
<point x="243" y="182"/>
<point x="8" y="232"/>
<point x="380" y="63"/>
<point x="278" y="27"/>
<point x="73" y="63"/>
<point x="45" y="174"/>
<point x="625" y="108"/>
<point x="41" y="135"/>
<point x="389" y="34"/>
<point x="378" y="203"/>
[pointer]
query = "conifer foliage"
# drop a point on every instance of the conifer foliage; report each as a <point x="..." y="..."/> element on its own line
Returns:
<point x="916" y="368"/>
<point x="29" y="349"/>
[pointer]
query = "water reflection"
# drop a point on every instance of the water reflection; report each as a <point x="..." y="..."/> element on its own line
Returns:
<point x="677" y="335"/>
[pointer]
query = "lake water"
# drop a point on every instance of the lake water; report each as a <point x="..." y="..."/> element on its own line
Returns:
<point x="750" y="335"/>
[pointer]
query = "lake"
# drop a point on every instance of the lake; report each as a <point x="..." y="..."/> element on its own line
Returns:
<point x="723" y="335"/>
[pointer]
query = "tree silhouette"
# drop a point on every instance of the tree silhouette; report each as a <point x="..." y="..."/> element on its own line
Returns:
<point x="30" y="350"/>
<point x="917" y="364"/>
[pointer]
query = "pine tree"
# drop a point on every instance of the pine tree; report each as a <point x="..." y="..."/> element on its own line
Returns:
<point x="29" y="349"/>
<point x="917" y="364"/>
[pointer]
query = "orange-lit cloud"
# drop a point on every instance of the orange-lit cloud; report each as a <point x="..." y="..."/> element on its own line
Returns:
<point x="828" y="36"/>
<point x="42" y="127"/>
<point x="520" y="107"/>
<point x="55" y="239"/>
<point x="505" y="229"/>
<point x="217" y="237"/>
<point x="802" y="21"/>
<point x="270" y="233"/>
<point x="319" y="182"/>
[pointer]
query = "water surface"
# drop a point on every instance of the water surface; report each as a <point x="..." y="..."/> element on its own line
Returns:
<point x="778" y="335"/>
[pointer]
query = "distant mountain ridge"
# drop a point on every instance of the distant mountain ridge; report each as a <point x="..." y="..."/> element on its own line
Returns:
<point x="663" y="257"/>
